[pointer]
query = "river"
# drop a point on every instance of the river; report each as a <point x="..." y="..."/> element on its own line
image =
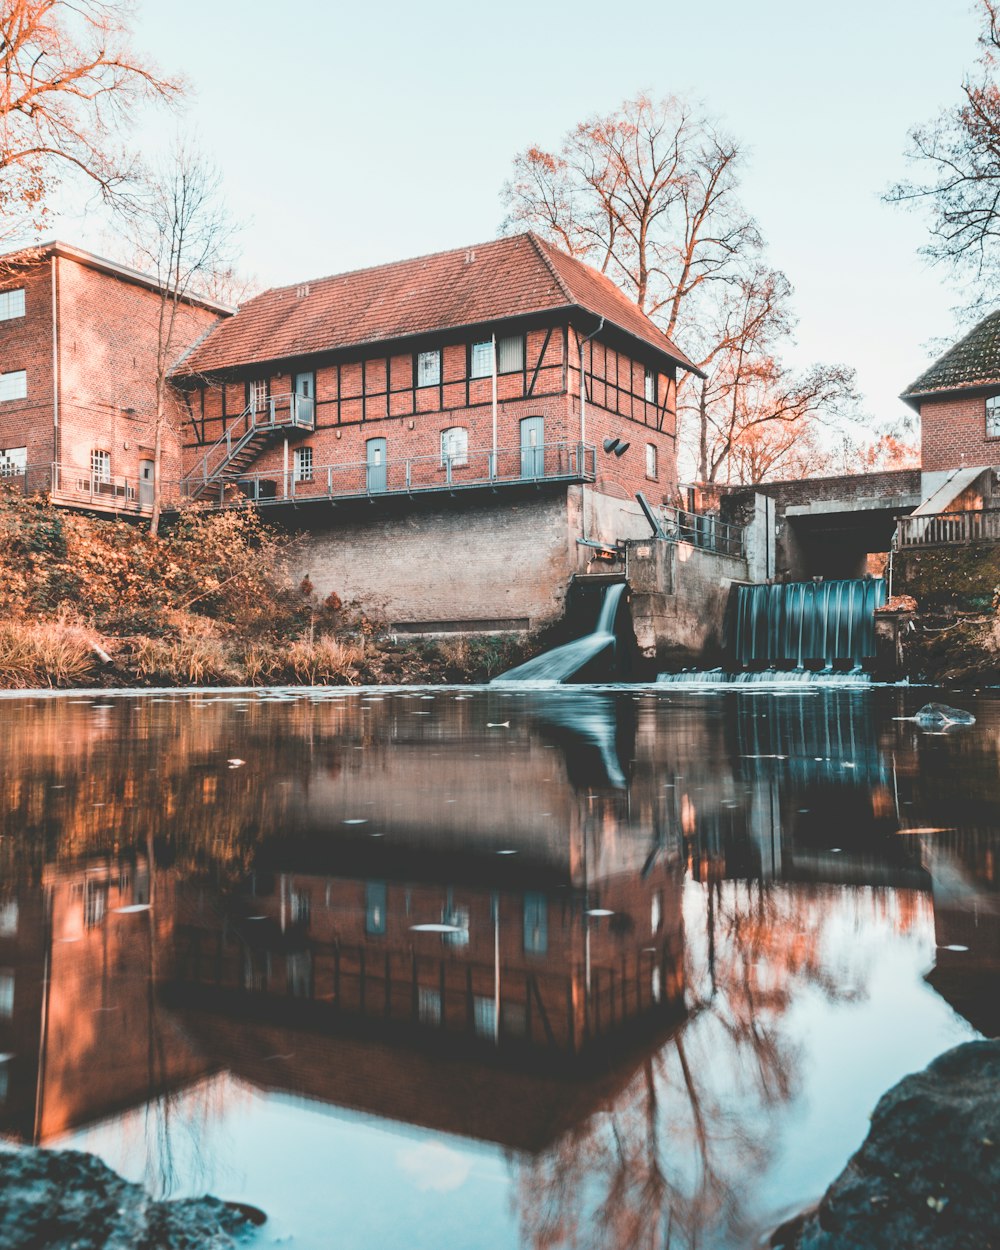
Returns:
<point x="488" y="968"/>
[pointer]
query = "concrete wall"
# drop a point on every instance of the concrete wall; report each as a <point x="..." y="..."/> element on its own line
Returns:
<point x="498" y="562"/>
<point x="679" y="599"/>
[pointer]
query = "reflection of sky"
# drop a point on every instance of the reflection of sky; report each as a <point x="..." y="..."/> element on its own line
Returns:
<point x="325" y="1177"/>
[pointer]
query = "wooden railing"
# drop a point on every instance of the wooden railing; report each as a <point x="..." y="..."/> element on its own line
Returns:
<point x="948" y="528"/>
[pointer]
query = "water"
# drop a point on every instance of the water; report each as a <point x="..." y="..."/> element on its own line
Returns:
<point x="718" y="925"/>
<point x="563" y="662"/>
<point x="807" y="623"/>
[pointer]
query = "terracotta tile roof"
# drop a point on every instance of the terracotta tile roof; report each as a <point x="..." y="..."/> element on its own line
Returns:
<point x="468" y="286"/>
<point x="973" y="362"/>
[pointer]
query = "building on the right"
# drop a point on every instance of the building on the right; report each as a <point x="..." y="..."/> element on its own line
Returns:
<point x="958" y="399"/>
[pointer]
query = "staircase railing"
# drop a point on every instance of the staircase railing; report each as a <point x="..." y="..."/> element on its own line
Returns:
<point x="258" y="418"/>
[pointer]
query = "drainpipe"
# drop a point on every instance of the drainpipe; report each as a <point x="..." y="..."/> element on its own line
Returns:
<point x="583" y="427"/>
<point x="56" y="449"/>
<point x="493" y="467"/>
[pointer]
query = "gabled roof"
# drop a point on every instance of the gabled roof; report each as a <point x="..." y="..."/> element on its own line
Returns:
<point x="468" y="286"/>
<point x="973" y="362"/>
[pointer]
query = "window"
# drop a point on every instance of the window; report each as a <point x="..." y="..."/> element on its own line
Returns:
<point x="14" y="385"/>
<point x="8" y="918"/>
<point x="375" y="899"/>
<point x="11" y="304"/>
<point x="428" y="368"/>
<point x="651" y="460"/>
<point x="428" y="1006"/>
<point x="13" y="461"/>
<point x="95" y="903"/>
<point x="5" y="1061"/>
<point x="536" y="924"/>
<point x="481" y="360"/>
<point x="485" y="1017"/>
<point x="100" y="466"/>
<point x="650" y="386"/>
<point x="510" y="354"/>
<point x="6" y="994"/>
<point x="302" y="464"/>
<point x="455" y="446"/>
<point x="258" y="394"/>
<point x="299" y="905"/>
<point x="993" y="416"/>
<point x="656" y="913"/>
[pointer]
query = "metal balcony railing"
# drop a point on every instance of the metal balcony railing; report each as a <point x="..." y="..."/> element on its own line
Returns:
<point x="78" y="485"/>
<point x="257" y="419"/>
<point x="702" y="530"/>
<point x="948" y="528"/>
<point x="550" y="462"/>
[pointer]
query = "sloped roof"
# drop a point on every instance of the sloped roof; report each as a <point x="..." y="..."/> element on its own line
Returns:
<point x="974" y="361"/>
<point x="508" y="277"/>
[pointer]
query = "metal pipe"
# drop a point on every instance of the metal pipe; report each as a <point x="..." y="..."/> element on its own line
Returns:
<point x="583" y="426"/>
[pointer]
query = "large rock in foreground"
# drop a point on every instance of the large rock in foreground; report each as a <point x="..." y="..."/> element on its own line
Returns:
<point x="928" y="1173"/>
<point x="65" y="1200"/>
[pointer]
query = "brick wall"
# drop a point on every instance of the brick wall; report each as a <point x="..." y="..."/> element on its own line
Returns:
<point x="107" y="367"/>
<point x="26" y="343"/>
<point x="953" y="434"/>
<point x="358" y="400"/>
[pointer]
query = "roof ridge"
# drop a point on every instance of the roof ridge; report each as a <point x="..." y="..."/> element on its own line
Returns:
<point x="390" y="264"/>
<point x="542" y="248"/>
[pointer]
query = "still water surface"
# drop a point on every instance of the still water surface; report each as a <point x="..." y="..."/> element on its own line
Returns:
<point x="488" y="969"/>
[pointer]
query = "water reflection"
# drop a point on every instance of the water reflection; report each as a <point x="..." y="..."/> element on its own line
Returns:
<point x="607" y="933"/>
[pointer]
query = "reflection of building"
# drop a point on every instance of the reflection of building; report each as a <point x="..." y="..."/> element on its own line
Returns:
<point x="82" y="1034"/>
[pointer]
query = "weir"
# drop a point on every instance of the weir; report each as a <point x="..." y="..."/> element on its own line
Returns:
<point x="816" y="624"/>
<point x="561" y="663"/>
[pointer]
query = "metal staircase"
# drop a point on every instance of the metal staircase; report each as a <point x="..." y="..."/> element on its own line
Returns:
<point x="245" y="438"/>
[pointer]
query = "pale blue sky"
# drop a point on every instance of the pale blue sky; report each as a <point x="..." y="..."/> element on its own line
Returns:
<point x="354" y="134"/>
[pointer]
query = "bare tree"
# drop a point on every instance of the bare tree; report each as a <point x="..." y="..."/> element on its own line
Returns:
<point x="959" y="155"/>
<point x="69" y="86"/>
<point x="649" y="195"/>
<point x="183" y="236"/>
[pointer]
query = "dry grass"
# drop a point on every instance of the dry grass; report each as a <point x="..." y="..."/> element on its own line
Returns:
<point x="325" y="662"/>
<point x="184" y="662"/>
<point x="52" y="654"/>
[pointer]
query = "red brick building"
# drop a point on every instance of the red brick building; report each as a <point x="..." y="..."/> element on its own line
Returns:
<point x="958" y="399"/>
<point x="449" y="371"/>
<point x="78" y="377"/>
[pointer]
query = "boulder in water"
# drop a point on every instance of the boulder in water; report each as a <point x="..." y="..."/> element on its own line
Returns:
<point x="940" y="716"/>
<point x="67" y="1200"/>
<point x="928" y="1173"/>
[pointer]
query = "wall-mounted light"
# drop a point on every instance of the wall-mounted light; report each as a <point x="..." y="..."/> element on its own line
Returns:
<point x="615" y="445"/>
<point x="621" y="449"/>
<point x="610" y="444"/>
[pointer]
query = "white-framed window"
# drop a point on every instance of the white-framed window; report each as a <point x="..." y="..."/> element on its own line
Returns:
<point x="993" y="416"/>
<point x="8" y="918"/>
<point x="485" y="1016"/>
<point x="510" y="353"/>
<point x="100" y="466"/>
<point x="455" y="446"/>
<point x="300" y="906"/>
<point x="650" y="386"/>
<point x="651" y="460"/>
<point x="428" y="368"/>
<point x="302" y="464"/>
<point x="13" y="461"/>
<point x="258" y="394"/>
<point x="14" y="385"/>
<point x="11" y="304"/>
<point x="481" y="359"/>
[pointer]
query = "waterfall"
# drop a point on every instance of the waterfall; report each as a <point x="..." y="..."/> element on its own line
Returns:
<point x="562" y="662"/>
<point x="807" y="624"/>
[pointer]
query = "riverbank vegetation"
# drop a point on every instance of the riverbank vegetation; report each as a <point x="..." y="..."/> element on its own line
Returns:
<point x="87" y="602"/>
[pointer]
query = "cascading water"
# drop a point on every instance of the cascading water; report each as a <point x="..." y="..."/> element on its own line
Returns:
<point x="807" y="624"/>
<point x="562" y="662"/>
<point x="796" y="632"/>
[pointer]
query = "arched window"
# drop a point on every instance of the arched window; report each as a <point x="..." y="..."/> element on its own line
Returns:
<point x="455" y="446"/>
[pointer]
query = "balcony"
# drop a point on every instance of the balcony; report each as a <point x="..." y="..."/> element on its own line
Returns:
<point x="82" y="488"/>
<point x="415" y="475"/>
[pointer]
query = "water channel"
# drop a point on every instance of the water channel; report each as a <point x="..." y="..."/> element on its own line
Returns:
<point x="500" y="968"/>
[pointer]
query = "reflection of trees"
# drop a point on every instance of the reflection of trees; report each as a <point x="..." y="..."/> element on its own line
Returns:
<point x="673" y="1160"/>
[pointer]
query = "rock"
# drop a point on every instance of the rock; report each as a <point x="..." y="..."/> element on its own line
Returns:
<point x="940" y="715"/>
<point x="67" y="1200"/>
<point x="928" y="1173"/>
